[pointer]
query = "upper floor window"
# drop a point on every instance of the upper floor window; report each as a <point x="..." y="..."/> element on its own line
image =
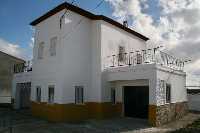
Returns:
<point x="41" y="50"/>
<point x="79" y="94"/>
<point x="121" y="53"/>
<point x="139" y="58"/>
<point x="51" y="94"/>
<point x="52" y="49"/>
<point x="38" y="94"/>
<point x="168" y="93"/>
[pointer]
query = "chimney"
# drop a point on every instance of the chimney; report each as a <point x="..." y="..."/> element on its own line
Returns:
<point x="125" y="23"/>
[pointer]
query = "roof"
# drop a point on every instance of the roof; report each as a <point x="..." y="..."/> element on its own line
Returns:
<point x="87" y="14"/>
<point x="16" y="58"/>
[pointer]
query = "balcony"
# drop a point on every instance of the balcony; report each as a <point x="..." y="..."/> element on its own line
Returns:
<point x="149" y="56"/>
<point x="23" y="67"/>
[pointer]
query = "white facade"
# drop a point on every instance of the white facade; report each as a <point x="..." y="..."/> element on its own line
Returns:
<point x="71" y="64"/>
<point x="149" y="75"/>
<point x="80" y="56"/>
<point x="113" y="37"/>
<point x="81" y="51"/>
<point x="177" y="80"/>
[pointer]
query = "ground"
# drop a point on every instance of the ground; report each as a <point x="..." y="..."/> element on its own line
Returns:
<point x="23" y="122"/>
<point x="191" y="128"/>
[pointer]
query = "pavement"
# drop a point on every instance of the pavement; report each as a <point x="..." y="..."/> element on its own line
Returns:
<point x="23" y="122"/>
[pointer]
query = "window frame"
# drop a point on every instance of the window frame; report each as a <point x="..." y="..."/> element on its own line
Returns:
<point x="113" y="96"/>
<point x="38" y="94"/>
<point x="51" y="98"/>
<point x="121" y="53"/>
<point x="79" y="94"/>
<point x="40" y="54"/>
<point x="139" y="58"/>
<point x="53" y="46"/>
<point x="168" y="93"/>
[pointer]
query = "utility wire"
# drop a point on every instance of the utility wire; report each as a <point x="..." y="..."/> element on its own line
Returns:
<point x="99" y="4"/>
<point x="67" y="11"/>
<point x="81" y="20"/>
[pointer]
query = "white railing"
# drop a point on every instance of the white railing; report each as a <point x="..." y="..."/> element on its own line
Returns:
<point x="149" y="56"/>
<point x="23" y="67"/>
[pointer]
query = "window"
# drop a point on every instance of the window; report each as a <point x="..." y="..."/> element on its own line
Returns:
<point x="139" y="58"/>
<point x="113" y="100"/>
<point x="52" y="49"/>
<point x="78" y="94"/>
<point x="41" y="50"/>
<point x="121" y="53"/>
<point x="168" y="93"/>
<point x="38" y="94"/>
<point x="51" y="94"/>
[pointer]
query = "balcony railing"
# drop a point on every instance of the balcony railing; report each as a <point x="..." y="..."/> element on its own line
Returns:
<point x="149" y="56"/>
<point x="23" y="67"/>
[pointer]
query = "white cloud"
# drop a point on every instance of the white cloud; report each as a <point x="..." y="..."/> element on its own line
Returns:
<point x="13" y="49"/>
<point x="31" y="44"/>
<point x="178" y="26"/>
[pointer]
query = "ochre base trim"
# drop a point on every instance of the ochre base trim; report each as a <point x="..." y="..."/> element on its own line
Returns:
<point x="152" y="115"/>
<point x="157" y="115"/>
<point x="74" y="112"/>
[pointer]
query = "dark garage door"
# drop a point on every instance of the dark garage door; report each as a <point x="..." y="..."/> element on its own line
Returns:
<point x="136" y="101"/>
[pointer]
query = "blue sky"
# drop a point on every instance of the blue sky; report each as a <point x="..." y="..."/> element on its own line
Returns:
<point x="17" y="14"/>
<point x="172" y="23"/>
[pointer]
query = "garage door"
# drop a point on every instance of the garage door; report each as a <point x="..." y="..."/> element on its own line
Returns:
<point x="136" y="101"/>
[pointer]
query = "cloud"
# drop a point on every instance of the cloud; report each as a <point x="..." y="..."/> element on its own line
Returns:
<point x="176" y="26"/>
<point x="31" y="44"/>
<point x="13" y="49"/>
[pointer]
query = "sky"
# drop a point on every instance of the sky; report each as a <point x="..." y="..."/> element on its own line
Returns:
<point x="174" y="24"/>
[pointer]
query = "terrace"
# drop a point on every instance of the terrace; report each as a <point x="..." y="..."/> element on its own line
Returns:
<point x="149" y="56"/>
<point x="23" y="67"/>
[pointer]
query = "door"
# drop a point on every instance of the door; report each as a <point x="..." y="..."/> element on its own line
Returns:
<point x="136" y="101"/>
<point x="25" y="90"/>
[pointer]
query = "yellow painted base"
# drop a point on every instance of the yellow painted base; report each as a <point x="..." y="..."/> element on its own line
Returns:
<point x="74" y="112"/>
<point x="152" y="115"/>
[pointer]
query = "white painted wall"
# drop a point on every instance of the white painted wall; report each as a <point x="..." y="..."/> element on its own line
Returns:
<point x="119" y="85"/>
<point x="194" y="102"/>
<point x="77" y="62"/>
<point x="47" y="70"/>
<point x="96" y="83"/>
<point x="177" y="80"/>
<point x="134" y="75"/>
<point x="5" y="99"/>
<point x="113" y="37"/>
<point x="82" y="47"/>
<point x="76" y="58"/>
<point x="147" y="74"/>
<point x="80" y="56"/>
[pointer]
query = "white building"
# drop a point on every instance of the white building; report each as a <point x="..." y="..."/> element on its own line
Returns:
<point x="21" y="85"/>
<point x="90" y="66"/>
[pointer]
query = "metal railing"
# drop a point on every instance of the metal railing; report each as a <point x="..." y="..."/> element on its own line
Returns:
<point x="149" y="56"/>
<point x="23" y="67"/>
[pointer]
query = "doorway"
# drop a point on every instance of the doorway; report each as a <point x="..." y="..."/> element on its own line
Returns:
<point x="24" y="90"/>
<point x="136" y="101"/>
